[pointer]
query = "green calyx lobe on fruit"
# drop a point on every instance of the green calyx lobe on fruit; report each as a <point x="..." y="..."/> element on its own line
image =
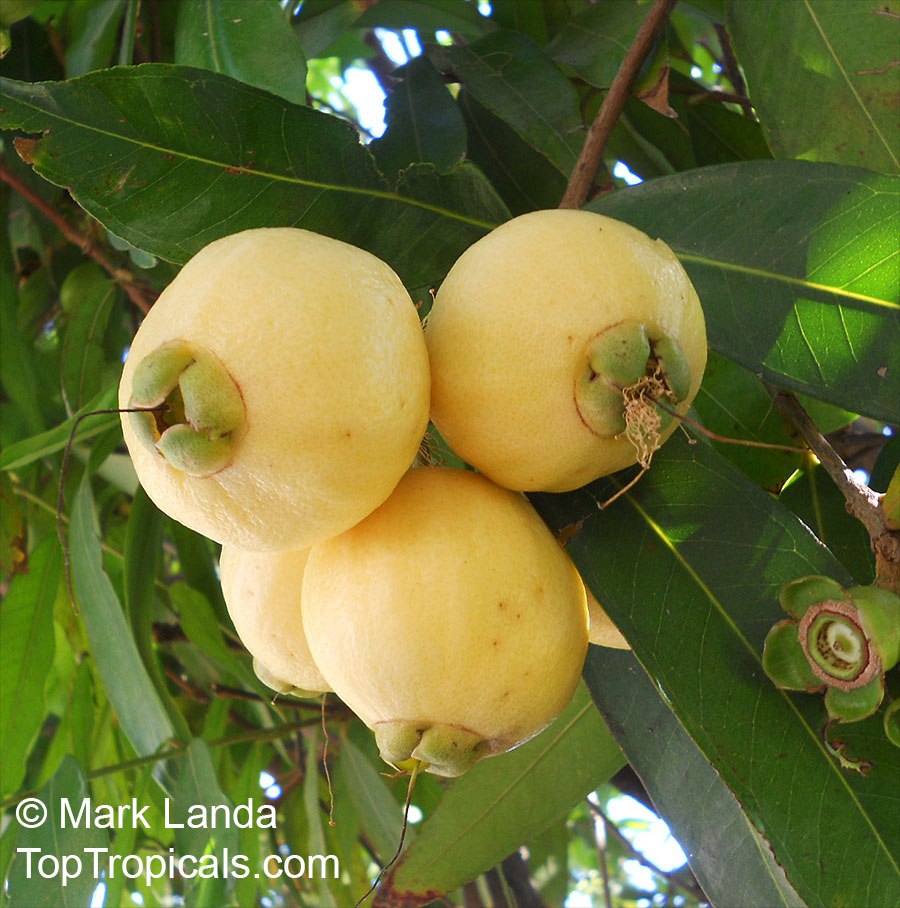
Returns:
<point x="628" y="368"/>
<point x="199" y="408"/>
<point x="445" y="750"/>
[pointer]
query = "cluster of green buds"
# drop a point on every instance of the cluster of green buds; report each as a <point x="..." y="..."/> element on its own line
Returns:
<point x="837" y="640"/>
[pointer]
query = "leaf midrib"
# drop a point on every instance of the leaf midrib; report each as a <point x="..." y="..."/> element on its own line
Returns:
<point x="658" y="531"/>
<point x="763" y="274"/>
<point x="368" y="192"/>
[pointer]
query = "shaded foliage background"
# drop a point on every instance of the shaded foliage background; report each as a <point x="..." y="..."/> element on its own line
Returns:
<point x="765" y="135"/>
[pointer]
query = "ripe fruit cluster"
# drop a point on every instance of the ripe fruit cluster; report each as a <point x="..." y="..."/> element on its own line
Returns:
<point x="275" y="399"/>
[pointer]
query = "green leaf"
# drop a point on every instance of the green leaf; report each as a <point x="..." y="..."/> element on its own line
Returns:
<point x="796" y="267"/>
<point x="225" y="36"/>
<point x="424" y="124"/>
<point x="29" y="450"/>
<point x="12" y="529"/>
<point x="58" y="838"/>
<point x="525" y="179"/>
<point x="595" y="42"/>
<point x="316" y="834"/>
<point x="93" y="27"/>
<point x="504" y="801"/>
<point x="380" y="815"/>
<point x="692" y="581"/>
<point x="185" y="156"/>
<point x="200" y="625"/>
<point x="198" y="787"/>
<point x="822" y="75"/>
<point x="130" y="690"/>
<point x="731" y="860"/>
<point x="198" y="567"/>
<point x="510" y="75"/>
<point x="82" y="354"/>
<point x="816" y="500"/>
<point x="720" y="135"/>
<point x="17" y="374"/>
<point x="143" y="547"/>
<point x="733" y="402"/>
<point x="26" y="656"/>
<point x="426" y="16"/>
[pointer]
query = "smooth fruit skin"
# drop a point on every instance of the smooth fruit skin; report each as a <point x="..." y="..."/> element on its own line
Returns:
<point x="453" y="608"/>
<point x="325" y="348"/>
<point x="262" y="592"/>
<point x="511" y="331"/>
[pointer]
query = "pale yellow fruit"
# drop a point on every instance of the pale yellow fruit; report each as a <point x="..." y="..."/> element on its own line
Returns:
<point x="450" y="620"/>
<point x="298" y="376"/>
<point x="536" y="333"/>
<point x="262" y="592"/>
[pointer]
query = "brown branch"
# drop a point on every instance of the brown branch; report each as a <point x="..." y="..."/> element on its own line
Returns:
<point x="732" y="70"/>
<point x="592" y="153"/>
<point x="862" y="502"/>
<point x="125" y="279"/>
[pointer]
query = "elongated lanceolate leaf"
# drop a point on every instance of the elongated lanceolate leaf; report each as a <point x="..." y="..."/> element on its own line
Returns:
<point x="31" y="449"/>
<point x="27" y="886"/>
<point x="729" y="857"/>
<point x="181" y="156"/>
<point x="504" y="802"/>
<point x="198" y="787"/>
<point x="689" y="564"/>
<point x="823" y="77"/>
<point x="797" y="268"/>
<point x="128" y="686"/>
<point x="26" y="656"/>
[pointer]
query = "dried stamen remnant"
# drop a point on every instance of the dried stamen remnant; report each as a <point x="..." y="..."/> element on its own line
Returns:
<point x="836" y="645"/>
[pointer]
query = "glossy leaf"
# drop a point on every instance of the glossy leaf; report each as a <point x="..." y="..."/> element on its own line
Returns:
<point x="26" y="655"/>
<point x="129" y="688"/>
<point x="58" y="838"/>
<point x="729" y="857"/>
<point x="424" y="124"/>
<point x="822" y="75"/>
<point x="186" y="156"/>
<point x="503" y="802"/>
<point x="225" y="36"/>
<point x="796" y="265"/>
<point x="509" y="74"/>
<point x="692" y="581"/>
